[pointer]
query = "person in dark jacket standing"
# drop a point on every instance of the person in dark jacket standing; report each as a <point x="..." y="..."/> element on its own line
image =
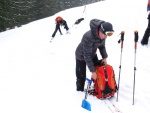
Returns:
<point x="60" y="22"/>
<point x="86" y="50"/>
<point x="145" y="38"/>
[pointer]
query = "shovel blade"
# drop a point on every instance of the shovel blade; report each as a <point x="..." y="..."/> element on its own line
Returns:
<point x="86" y="105"/>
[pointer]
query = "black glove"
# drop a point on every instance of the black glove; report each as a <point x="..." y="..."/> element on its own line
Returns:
<point x="99" y="63"/>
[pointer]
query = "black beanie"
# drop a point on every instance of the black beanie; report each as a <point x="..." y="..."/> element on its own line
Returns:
<point x="106" y="26"/>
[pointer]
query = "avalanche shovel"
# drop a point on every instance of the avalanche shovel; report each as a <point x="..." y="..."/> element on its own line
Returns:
<point x="85" y="104"/>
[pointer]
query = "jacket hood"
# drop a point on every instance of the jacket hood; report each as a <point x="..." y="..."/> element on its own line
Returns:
<point x="94" y="24"/>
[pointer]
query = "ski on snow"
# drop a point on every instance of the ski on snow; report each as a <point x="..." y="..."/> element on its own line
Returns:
<point x="112" y="106"/>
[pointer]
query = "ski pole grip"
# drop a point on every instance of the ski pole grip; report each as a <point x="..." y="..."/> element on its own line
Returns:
<point x="136" y="36"/>
<point x="122" y="35"/>
<point x="122" y="38"/>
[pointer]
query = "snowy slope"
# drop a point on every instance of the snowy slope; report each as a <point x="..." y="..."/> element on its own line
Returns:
<point x="37" y="76"/>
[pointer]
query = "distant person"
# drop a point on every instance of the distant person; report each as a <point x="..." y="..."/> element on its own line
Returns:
<point x="86" y="50"/>
<point x="78" y="21"/>
<point x="145" y="38"/>
<point x="60" y="22"/>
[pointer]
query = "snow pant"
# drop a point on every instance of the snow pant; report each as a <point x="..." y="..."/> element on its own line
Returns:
<point x="56" y="29"/>
<point x="53" y="35"/>
<point x="81" y="73"/>
<point x="147" y="33"/>
<point x="146" y="36"/>
<point x="65" y="26"/>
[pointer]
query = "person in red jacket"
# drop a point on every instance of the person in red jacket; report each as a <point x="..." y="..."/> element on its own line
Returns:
<point x="60" y="22"/>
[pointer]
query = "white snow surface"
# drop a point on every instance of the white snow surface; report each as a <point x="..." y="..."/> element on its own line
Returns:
<point x="37" y="76"/>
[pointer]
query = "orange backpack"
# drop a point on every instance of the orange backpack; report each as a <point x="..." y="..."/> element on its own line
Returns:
<point x="58" y="19"/>
<point x="105" y="84"/>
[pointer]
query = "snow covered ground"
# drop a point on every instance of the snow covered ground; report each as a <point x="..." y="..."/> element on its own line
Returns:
<point x="37" y="76"/>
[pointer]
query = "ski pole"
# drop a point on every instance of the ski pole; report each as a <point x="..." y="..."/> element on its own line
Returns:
<point x="135" y="47"/>
<point x="121" y="40"/>
<point x="84" y="11"/>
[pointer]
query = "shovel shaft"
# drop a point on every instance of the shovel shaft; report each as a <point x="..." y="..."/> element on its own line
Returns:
<point x="86" y="93"/>
<point x="85" y="104"/>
